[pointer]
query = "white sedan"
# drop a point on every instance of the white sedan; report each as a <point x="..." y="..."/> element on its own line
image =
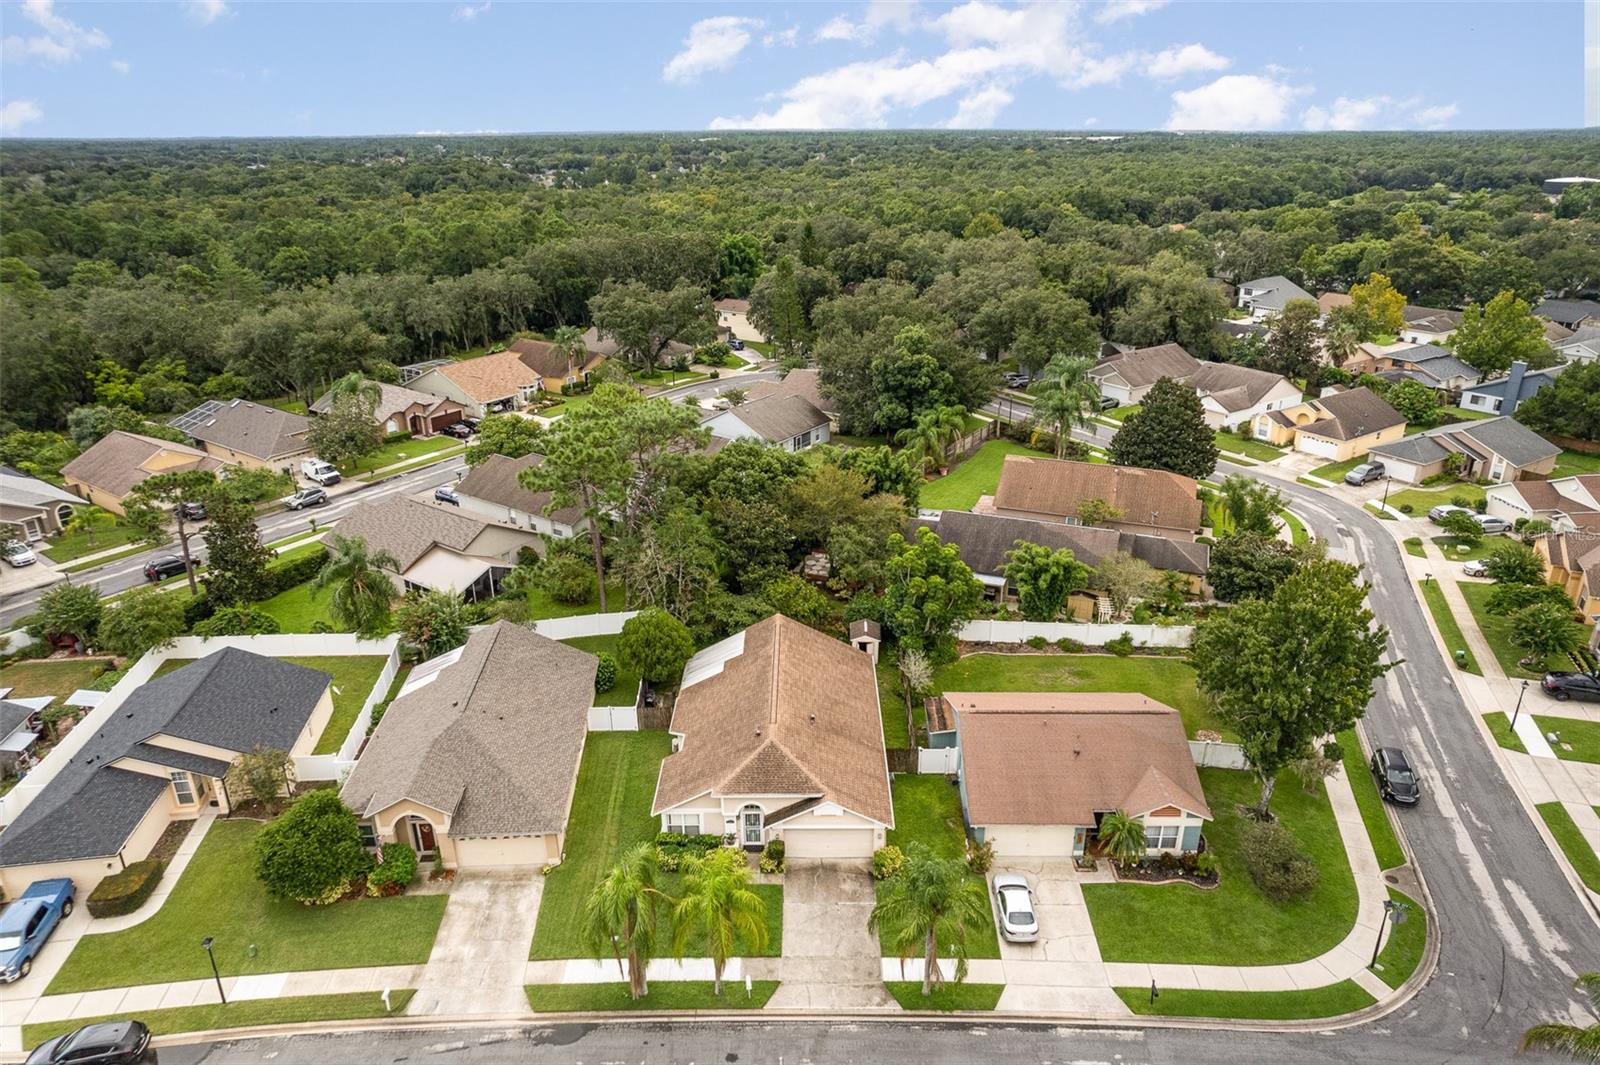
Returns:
<point x="1475" y="568"/>
<point x="1018" y="922"/>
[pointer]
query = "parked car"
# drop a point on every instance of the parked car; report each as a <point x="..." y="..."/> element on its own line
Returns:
<point x="164" y="567"/>
<point x="28" y="922"/>
<point x="320" y="472"/>
<point x="1475" y="568"/>
<point x="459" y="430"/>
<point x="307" y="497"/>
<point x="1571" y="685"/>
<point x="192" y="511"/>
<point x="735" y="344"/>
<point x="19" y="554"/>
<point x="1366" y="473"/>
<point x="1395" y="779"/>
<point x="1017" y="380"/>
<point x="1018" y="922"/>
<point x="1109" y="402"/>
<point x="445" y="494"/>
<point x="112" y="1043"/>
<point x="471" y="424"/>
<point x="1443" y="511"/>
<point x="1492" y="525"/>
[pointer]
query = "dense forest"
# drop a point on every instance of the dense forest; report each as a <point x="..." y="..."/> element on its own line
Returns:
<point x="153" y="274"/>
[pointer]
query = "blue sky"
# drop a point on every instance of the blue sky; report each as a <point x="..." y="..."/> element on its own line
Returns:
<point x="224" y="67"/>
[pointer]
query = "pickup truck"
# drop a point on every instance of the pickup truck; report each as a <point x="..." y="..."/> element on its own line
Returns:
<point x="28" y="922"/>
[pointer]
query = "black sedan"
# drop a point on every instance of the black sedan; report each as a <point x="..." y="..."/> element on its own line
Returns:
<point x="459" y="430"/>
<point x="1394" y="776"/>
<point x="164" y="567"/>
<point x="116" y="1043"/>
<point x="1564" y="686"/>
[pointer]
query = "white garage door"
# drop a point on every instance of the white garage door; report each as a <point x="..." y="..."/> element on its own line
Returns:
<point x="1313" y="446"/>
<point x="828" y="843"/>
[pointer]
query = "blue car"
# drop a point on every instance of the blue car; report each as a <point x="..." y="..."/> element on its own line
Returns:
<point x="28" y="922"/>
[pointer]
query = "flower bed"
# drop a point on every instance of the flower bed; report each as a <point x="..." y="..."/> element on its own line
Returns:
<point x="1171" y="869"/>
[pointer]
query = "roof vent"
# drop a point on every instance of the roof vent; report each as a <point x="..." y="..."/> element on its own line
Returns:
<point x="758" y="732"/>
<point x="813" y="719"/>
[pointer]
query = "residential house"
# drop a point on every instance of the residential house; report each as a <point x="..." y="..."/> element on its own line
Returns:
<point x="777" y="734"/>
<point x="554" y="367"/>
<point x="1428" y="325"/>
<point x="1267" y="296"/>
<point x="1335" y="426"/>
<point x="733" y="316"/>
<point x="1493" y="449"/>
<point x="1239" y="330"/>
<point x="1556" y="186"/>
<point x="19" y="731"/>
<point x="1582" y="345"/>
<point x="437" y="547"/>
<point x="1572" y="563"/>
<point x="1567" y="503"/>
<point x="1427" y="364"/>
<point x="985" y="539"/>
<point x="242" y="433"/>
<point x="790" y="422"/>
<point x="475" y="761"/>
<point x="606" y="346"/>
<point x="1503" y="394"/>
<point x="404" y="410"/>
<point x="1327" y="301"/>
<point x="1230" y="395"/>
<point x="118" y="461"/>
<point x="1040" y="770"/>
<point x="493" y="489"/>
<point x="160" y="757"/>
<point x="1555" y="333"/>
<point x="1052" y="490"/>
<point x="1573" y="314"/>
<point x="807" y="384"/>
<point x="33" y="508"/>
<point x="1127" y="376"/>
<point x="489" y="384"/>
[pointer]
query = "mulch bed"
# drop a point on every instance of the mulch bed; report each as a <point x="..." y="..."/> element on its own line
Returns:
<point x="1154" y="874"/>
<point x="172" y="838"/>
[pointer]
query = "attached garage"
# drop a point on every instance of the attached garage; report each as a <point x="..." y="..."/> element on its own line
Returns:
<point x="1031" y="841"/>
<point x="507" y="851"/>
<point x="828" y="842"/>
<point x="1316" y="445"/>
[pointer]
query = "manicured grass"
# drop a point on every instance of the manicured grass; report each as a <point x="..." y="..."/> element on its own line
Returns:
<point x="1572" y="843"/>
<point x="288" y="403"/>
<point x="399" y="451"/>
<point x="1378" y="512"/>
<point x="1167" y="680"/>
<point x="1219" y="518"/>
<point x="891" y="704"/>
<point x="1451" y="547"/>
<point x="1404" y="943"/>
<point x="847" y="440"/>
<point x="1580" y="735"/>
<point x="1449" y="628"/>
<point x="1379" y="829"/>
<point x="1497" y="630"/>
<point x="667" y="378"/>
<point x="664" y="995"/>
<point x="414" y="464"/>
<point x="1297" y="528"/>
<point x="117" y="556"/>
<point x="300" y="608"/>
<point x="1235" y="444"/>
<point x="927" y="809"/>
<point x="1121" y="414"/>
<point x="1414" y="548"/>
<point x="357" y="1005"/>
<point x="950" y="997"/>
<point x="1178" y="923"/>
<point x="60" y="679"/>
<point x="541" y="605"/>
<point x="282" y="556"/>
<point x="1335" y="1000"/>
<point x="109" y="531"/>
<point x="1422" y="500"/>
<point x="625" y="689"/>
<point x="566" y="406"/>
<point x="1572" y="463"/>
<point x="1462" y="414"/>
<point x="1500" y="728"/>
<point x="218" y="895"/>
<point x="977" y="476"/>
<point x="1335" y="471"/>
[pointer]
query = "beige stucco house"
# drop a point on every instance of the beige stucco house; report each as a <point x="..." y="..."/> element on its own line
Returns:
<point x="117" y="462"/>
<point x="489" y="384"/>
<point x="1336" y="426"/>
<point x="437" y="546"/>
<point x="403" y="410"/>
<point x="241" y="433"/>
<point x="35" y="509"/>
<point x="1572" y="563"/>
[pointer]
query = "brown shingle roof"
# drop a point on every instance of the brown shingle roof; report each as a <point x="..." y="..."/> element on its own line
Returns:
<point x="495" y="481"/>
<point x="490" y="377"/>
<point x="780" y="709"/>
<point x="1058" y="758"/>
<point x="407" y="528"/>
<point x="1234" y="387"/>
<point x="1056" y="487"/>
<point x="544" y="359"/>
<point x="779" y="418"/>
<point x="807" y="384"/>
<point x="1431" y="319"/>
<point x="1355" y="413"/>
<point x="119" y="460"/>
<point x="1146" y="366"/>
<point x="392" y="400"/>
<point x="253" y="429"/>
<point x="494" y="740"/>
<point x="607" y="345"/>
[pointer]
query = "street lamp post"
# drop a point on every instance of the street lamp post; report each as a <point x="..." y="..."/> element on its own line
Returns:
<point x="206" y="943"/>
<point x="1518" y="710"/>
<point x="1388" y="908"/>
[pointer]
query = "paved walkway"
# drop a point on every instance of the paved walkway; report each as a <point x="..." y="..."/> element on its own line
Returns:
<point x="481" y="953"/>
<point x="169" y="878"/>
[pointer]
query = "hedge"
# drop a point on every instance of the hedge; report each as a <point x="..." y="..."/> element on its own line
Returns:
<point x="122" y="893"/>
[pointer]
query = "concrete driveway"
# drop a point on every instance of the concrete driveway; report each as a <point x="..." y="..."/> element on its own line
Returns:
<point x="1063" y="970"/>
<point x="830" y="960"/>
<point x="481" y="952"/>
<point x="18" y="999"/>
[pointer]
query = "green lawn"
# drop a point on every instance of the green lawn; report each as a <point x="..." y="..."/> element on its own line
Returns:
<point x="664" y="995"/>
<point x="1462" y="414"/>
<point x="103" y="560"/>
<point x="1452" y="547"/>
<point x="1373" y="815"/>
<point x="975" y="477"/>
<point x="1422" y="500"/>
<point x="357" y="1005"/>
<point x="1414" y="548"/>
<point x="354" y="677"/>
<point x="950" y="997"/>
<point x="109" y="531"/>
<point x="1449" y="628"/>
<point x="1335" y="471"/>
<point x="283" y="556"/>
<point x="568" y="405"/>
<point x="1497" y="630"/>
<point x="400" y="451"/>
<point x="59" y="679"/>
<point x="667" y="378"/>
<point x="1572" y="843"/>
<point x="1582" y="736"/>
<point x="1404" y="943"/>
<point x="1235" y="444"/>
<point x="1168" y="680"/>
<point x="1177" y="923"/>
<point x="927" y="809"/>
<point x="1572" y="463"/>
<point x="541" y="605"/>
<point x="300" y="608"/>
<point x="891" y="704"/>
<point x="1121" y="414"/>
<point x="219" y="896"/>
<point x="1500" y="728"/>
<point x="1335" y="1000"/>
<point x="625" y="690"/>
<point x="1297" y="528"/>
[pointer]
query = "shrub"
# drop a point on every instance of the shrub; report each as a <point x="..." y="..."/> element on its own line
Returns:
<point x="1038" y="643"/>
<point x="568" y="579"/>
<point x="980" y="856"/>
<point x="887" y="862"/>
<point x="605" y="674"/>
<point x="1122" y="645"/>
<point x="1069" y="645"/>
<point x="312" y="852"/>
<point x="1406" y="508"/>
<point x="771" y="857"/>
<point x="1205" y="863"/>
<point x="286" y="575"/>
<point x="656" y="645"/>
<point x="123" y="892"/>
<point x="1277" y="864"/>
<point x="241" y="619"/>
<point x="398" y="868"/>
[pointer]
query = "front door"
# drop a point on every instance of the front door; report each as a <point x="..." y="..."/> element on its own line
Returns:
<point x="752" y="826"/>
<point x="422" y="835"/>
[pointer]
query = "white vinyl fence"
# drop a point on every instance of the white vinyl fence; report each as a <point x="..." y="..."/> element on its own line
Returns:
<point x="941" y="760"/>
<point x="583" y="625"/>
<point x="1088" y="633"/>
<point x="617" y="718"/>
<point x="1217" y="755"/>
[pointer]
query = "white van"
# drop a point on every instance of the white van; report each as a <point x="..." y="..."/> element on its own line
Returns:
<point x="319" y="471"/>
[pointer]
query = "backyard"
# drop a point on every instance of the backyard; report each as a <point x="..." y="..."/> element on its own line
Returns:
<point x="1572" y="463"/>
<point x="1497" y="630"/>
<point x="891" y="704"/>
<point x="542" y="605"/>
<point x="300" y="608"/>
<point x="59" y="679"/>
<point x="218" y="895"/>
<point x="1167" y="680"/>
<point x="976" y="476"/>
<point x="927" y="809"/>
<point x="625" y="689"/>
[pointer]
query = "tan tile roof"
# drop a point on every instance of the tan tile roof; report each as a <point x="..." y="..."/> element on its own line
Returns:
<point x="1329" y="300"/>
<point x="807" y="384"/>
<point x="793" y="712"/>
<point x="253" y="429"/>
<point x="1146" y="366"/>
<point x="490" y="377"/>
<point x="1058" y="758"/>
<point x="119" y="460"/>
<point x="1056" y="487"/>
<point x="734" y="306"/>
<point x="482" y="743"/>
<point x="407" y="528"/>
<point x="495" y="481"/>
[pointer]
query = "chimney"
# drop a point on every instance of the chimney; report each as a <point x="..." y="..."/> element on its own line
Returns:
<point x="1508" y="405"/>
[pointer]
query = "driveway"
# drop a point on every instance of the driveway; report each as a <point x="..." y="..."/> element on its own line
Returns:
<point x="481" y="951"/>
<point x="830" y="960"/>
<point x="18" y="999"/>
<point x="1063" y="970"/>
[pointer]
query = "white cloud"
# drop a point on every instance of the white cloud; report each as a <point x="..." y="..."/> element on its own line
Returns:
<point x="1234" y="101"/>
<point x="1436" y="117"/>
<point x="880" y="15"/>
<point x="206" y="12"/>
<point x="1346" y="113"/>
<point x="1181" y="60"/>
<point x="121" y="66"/>
<point x="61" y="41"/>
<point x="786" y="38"/>
<point x="1116" y="10"/>
<point x="712" y="44"/>
<point x="1091" y="121"/>
<point x="979" y="110"/>
<point x="469" y="12"/>
<point x="17" y="113"/>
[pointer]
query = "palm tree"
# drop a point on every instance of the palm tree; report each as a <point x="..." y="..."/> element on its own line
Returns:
<point x="353" y="384"/>
<point x="362" y="589"/>
<point x="1342" y="343"/>
<point x="84" y="520"/>
<point x="930" y="903"/>
<point x="568" y="340"/>
<point x="717" y="899"/>
<point x="1065" y="396"/>
<point x="620" y="914"/>
<point x="1582" y="1044"/>
<point x="931" y="438"/>
<point x="1122" y="837"/>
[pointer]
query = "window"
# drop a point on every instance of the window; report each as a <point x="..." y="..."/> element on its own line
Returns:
<point x="182" y="788"/>
<point x="369" y="835"/>
<point x="688" y="824"/>
<point x="1161" y="837"/>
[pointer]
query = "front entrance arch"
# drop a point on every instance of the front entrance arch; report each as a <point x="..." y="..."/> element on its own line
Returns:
<point x="752" y="822"/>
<point x="423" y="839"/>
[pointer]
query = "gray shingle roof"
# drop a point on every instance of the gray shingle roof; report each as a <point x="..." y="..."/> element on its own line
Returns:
<point x="780" y="418"/>
<point x="1434" y="361"/>
<point x="495" y="481"/>
<point x="408" y="528"/>
<point x="1568" y="312"/>
<point x="1146" y="366"/>
<point x="984" y="540"/>
<point x="184" y="760"/>
<point x="12" y="715"/>
<point x="251" y="429"/>
<point x="1280" y="290"/>
<point x="1503" y="436"/>
<point x="392" y="399"/>
<point x="1532" y="382"/>
<point x="19" y="489"/>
